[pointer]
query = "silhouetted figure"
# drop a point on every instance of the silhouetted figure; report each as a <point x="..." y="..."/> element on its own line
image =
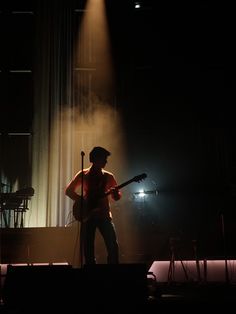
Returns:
<point x="92" y="205"/>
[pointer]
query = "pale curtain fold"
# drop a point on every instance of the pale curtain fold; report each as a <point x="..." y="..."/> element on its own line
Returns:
<point x="52" y="84"/>
<point x="69" y="116"/>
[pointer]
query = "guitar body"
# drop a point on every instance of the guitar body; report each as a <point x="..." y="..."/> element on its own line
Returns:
<point x="77" y="213"/>
<point x="83" y="210"/>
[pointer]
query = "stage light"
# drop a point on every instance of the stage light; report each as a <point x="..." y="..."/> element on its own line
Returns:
<point x="137" y="5"/>
<point x="143" y="193"/>
<point x="140" y="193"/>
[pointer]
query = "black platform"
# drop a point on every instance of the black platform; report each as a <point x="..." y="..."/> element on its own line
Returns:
<point x="58" y="287"/>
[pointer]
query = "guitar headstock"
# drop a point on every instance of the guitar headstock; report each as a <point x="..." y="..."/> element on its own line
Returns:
<point x="140" y="177"/>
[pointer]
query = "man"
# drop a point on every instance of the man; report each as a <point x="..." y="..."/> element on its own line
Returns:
<point x="98" y="188"/>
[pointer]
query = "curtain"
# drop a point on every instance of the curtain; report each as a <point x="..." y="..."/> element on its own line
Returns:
<point x="70" y="115"/>
<point x="52" y="91"/>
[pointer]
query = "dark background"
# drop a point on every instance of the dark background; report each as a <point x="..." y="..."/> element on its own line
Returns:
<point x="175" y="71"/>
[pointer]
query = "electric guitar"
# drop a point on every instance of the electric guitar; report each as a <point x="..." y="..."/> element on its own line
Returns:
<point x="82" y="211"/>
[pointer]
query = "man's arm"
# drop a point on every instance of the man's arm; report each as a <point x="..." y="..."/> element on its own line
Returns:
<point x="115" y="192"/>
<point x="70" y="190"/>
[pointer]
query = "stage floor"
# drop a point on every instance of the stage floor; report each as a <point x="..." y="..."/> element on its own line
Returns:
<point x="123" y="285"/>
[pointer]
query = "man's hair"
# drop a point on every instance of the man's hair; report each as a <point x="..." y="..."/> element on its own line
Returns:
<point x="97" y="153"/>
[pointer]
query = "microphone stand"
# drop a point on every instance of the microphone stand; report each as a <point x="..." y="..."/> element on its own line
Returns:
<point x="81" y="206"/>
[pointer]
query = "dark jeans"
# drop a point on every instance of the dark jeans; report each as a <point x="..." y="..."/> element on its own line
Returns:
<point x="108" y="232"/>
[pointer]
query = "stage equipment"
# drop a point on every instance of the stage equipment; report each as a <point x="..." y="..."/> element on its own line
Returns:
<point x="13" y="207"/>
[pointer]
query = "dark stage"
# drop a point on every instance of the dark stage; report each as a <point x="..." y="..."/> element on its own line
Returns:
<point x="37" y="274"/>
<point x="154" y="83"/>
<point x="126" y="288"/>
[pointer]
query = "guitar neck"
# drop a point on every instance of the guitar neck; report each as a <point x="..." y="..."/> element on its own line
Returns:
<point x="125" y="183"/>
<point x="120" y="186"/>
<point x="134" y="179"/>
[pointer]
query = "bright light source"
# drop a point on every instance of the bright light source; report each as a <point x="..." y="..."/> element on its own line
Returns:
<point x="142" y="193"/>
<point x="137" y="5"/>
